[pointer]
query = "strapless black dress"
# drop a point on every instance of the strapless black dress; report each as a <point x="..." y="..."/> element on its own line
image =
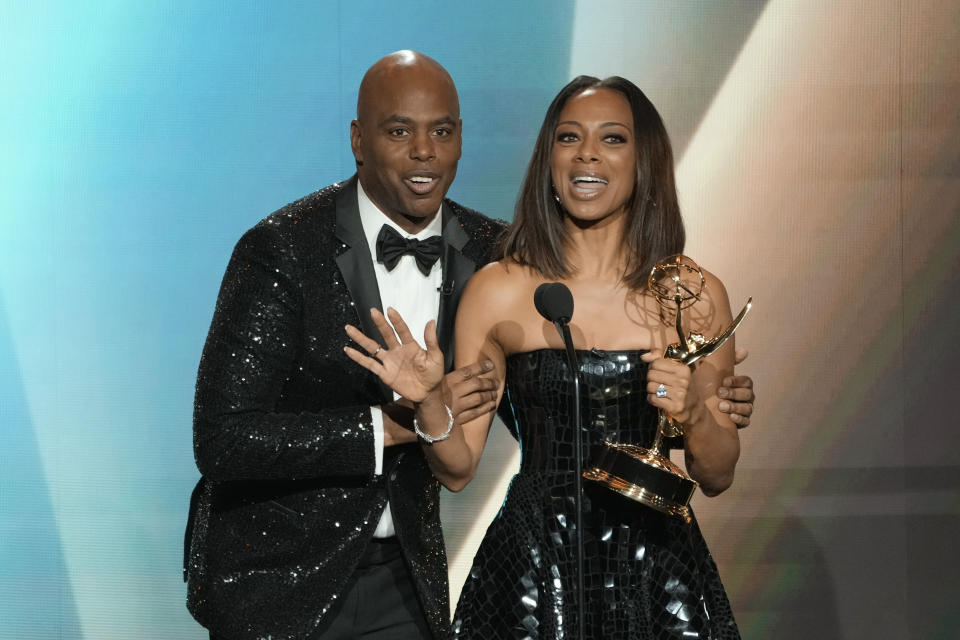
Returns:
<point x="646" y="575"/>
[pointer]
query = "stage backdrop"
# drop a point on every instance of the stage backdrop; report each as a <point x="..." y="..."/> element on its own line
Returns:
<point x="818" y="166"/>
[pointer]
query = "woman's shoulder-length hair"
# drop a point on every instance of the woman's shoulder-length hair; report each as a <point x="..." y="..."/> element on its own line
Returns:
<point x="654" y="228"/>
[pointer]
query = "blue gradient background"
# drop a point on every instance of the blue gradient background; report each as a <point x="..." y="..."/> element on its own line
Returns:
<point x="140" y="140"/>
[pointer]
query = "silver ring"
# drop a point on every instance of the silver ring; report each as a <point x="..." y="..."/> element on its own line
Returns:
<point x="374" y="354"/>
<point x="662" y="391"/>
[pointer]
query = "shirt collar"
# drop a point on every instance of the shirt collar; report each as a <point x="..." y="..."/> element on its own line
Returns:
<point x="372" y="219"/>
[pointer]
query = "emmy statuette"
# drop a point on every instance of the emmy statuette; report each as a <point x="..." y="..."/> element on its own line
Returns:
<point x="647" y="475"/>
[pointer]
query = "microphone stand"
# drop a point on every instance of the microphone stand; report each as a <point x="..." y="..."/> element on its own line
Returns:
<point x="563" y="328"/>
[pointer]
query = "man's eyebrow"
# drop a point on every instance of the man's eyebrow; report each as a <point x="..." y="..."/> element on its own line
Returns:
<point x="407" y="120"/>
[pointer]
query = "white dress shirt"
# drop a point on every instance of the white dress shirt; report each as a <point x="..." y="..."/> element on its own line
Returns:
<point x="415" y="296"/>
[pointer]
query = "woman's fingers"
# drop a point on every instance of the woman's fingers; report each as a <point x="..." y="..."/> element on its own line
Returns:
<point x="430" y="340"/>
<point x="667" y="374"/>
<point x="667" y="384"/>
<point x="673" y="402"/>
<point x="400" y="326"/>
<point x="366" y="362"/>
<point x="651" y="355"/>
<point x="368" y="344"/>
<point x="384" y="327"/>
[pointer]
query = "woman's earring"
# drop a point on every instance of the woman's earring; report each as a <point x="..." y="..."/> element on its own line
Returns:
<point x="556" y="196"/>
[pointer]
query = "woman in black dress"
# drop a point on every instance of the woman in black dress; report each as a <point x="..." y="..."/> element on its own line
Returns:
<point x="598" y="208"/>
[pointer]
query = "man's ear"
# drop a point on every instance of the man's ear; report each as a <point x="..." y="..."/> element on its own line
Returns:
<point x="355" y="135"/>
<point x="460" y="133"/>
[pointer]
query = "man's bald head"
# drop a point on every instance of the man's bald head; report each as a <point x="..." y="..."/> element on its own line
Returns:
<point x="406" y="138"/>
<point x="405" y="64"/>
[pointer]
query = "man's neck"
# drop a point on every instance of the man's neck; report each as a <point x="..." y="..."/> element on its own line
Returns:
<point x="411" y="225"/>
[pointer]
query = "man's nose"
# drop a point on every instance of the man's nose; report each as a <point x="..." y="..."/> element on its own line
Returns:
<point x="423" y="147"/>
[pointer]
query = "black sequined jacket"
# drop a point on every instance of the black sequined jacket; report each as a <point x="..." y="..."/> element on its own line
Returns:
<point x="282" y="429"/>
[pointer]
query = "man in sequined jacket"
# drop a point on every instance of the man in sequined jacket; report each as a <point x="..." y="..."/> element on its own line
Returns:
<point x="317" y="516"/>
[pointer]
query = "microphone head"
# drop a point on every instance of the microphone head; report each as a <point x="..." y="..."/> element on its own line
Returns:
<point x="554" y="302"/>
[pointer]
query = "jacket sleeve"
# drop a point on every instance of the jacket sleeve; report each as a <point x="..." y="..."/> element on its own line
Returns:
<point x="253" y="343"/>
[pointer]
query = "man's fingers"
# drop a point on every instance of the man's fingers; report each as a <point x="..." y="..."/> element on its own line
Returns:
<point x="736" y="418"/>
<point x="736" y="408"/>
<point x="474" y="384"/>
<point x="739" y="420"/>
<point x="468" y="396"/>
<point x="738" y="381"/>
<point x="736" y="394"/>
<point x="474" y="397"/>
<point x="472" y="370"/>
<point x="476" y="412"/>
<point x="488" y="384"/>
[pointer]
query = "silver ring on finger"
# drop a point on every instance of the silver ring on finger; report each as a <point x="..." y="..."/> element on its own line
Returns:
<point x="662" y="391"/>
<point x="374" y="354"/>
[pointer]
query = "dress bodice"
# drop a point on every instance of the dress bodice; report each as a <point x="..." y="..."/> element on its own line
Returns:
<point x="613" y="404"/>
<point x="645" y="575"/>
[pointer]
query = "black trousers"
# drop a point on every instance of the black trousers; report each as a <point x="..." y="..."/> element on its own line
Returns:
<point x="379" y="603"/>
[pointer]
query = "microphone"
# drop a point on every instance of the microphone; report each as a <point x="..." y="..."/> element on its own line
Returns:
<point x="554" y="302"/>
<point x="446" y="286"/>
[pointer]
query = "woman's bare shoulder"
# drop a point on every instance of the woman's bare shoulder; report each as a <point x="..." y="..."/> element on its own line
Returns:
<point x="713" y="285"/>
<point x="714" y="305"/>
<point x="500" y="280"/>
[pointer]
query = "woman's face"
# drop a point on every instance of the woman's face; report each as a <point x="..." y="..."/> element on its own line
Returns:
<point x="594" y="159"/>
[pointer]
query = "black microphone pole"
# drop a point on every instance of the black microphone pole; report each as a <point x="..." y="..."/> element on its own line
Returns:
<point x="555" y="303"/>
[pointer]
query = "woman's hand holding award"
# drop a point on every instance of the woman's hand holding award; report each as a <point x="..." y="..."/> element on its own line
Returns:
<point x="647" y="475"/>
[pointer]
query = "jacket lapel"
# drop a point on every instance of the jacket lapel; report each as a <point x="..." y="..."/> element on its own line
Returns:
<point x="356" y="264"/>
<point x="457" y="269"/>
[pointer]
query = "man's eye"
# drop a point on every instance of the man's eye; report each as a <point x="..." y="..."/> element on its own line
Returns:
<point x="398" y="133"/>
<point x="442" y="132"/>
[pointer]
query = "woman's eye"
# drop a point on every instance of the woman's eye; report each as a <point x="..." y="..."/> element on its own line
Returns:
<point x="566" y="136"/>
<point x="615" y="138"/>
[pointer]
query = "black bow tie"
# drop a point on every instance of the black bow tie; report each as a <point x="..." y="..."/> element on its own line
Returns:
<point x="391" y="246"/>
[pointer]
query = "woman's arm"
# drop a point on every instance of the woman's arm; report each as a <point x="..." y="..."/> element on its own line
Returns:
<point x="711" y="443"/>
<point x="417" y="374"/>
<point x="454" y="460"/>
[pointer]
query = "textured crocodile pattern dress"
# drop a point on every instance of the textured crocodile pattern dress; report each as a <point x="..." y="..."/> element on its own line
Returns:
<point x="646" y="575"/>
